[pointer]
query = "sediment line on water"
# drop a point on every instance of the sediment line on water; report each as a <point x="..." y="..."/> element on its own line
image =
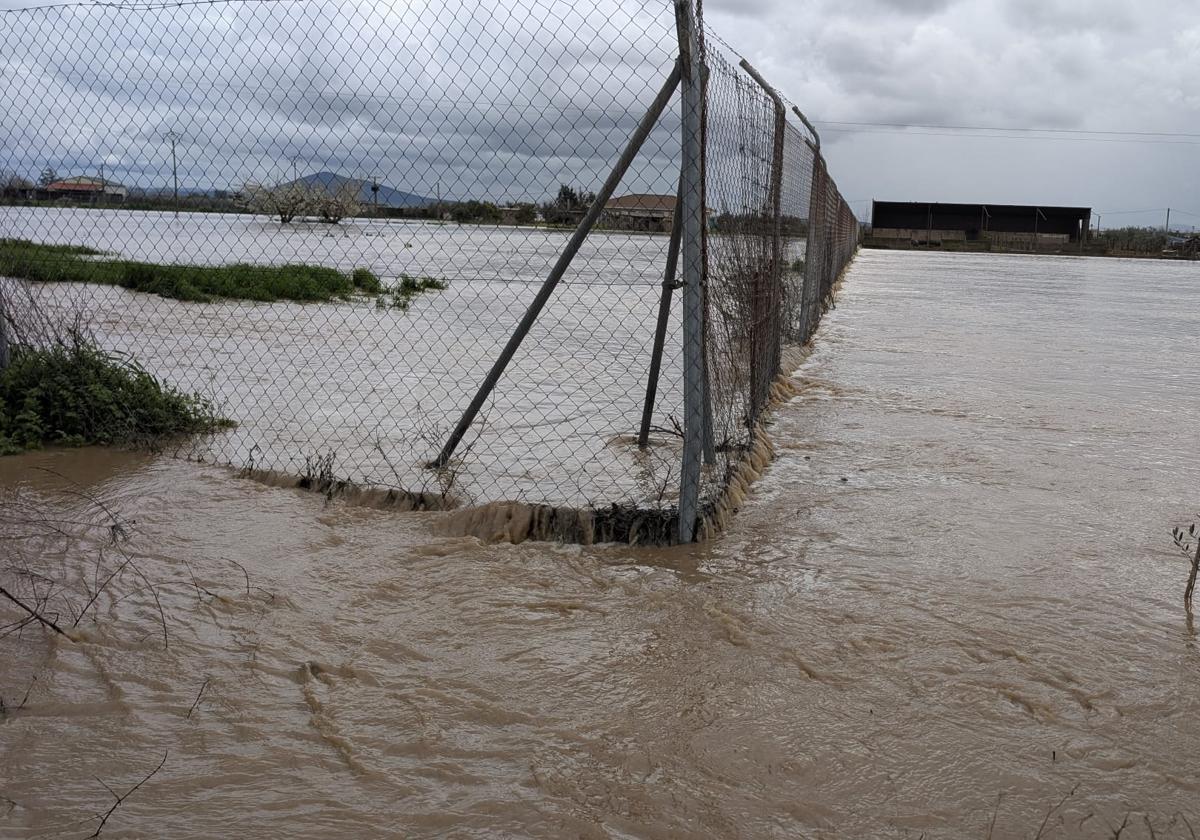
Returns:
<point x="518" y="522"/>
<point x="383" y="498"/>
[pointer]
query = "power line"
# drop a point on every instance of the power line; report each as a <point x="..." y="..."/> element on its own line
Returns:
<point x="1073" y="131"/>
<point x="1148" y="210"/>
<point x="1142" y="140"/>
<point x="1132" y="212"/>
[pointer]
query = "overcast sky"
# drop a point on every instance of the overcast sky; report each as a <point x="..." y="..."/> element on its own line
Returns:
<point x="1103" y="64"/>
<point x="506" y="98"/>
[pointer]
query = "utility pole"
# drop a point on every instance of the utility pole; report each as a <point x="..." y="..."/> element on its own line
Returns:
<point x="1167" y="226"/>
<point x="173" y="138"/>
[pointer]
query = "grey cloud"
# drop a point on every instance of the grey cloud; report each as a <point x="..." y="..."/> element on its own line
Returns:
<point x="505" y="99"/>
<point x="1025" y="63"/>
<point x="911" y="7"/>
<point x="484" y="103"/>
<point x="1111" y="16"/>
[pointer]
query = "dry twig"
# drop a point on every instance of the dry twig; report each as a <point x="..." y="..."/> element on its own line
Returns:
<point x="34" y="613"/>
<point x="1050" y="812"/>
<point x="199" y="694"/>
<point x="122" y="797"/>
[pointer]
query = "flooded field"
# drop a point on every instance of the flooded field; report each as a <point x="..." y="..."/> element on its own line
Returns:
<point x="950" y="609"/>
<point x="381" y="389"/>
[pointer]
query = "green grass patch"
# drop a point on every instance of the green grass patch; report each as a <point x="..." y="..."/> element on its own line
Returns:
<point x="365" y="281"/>
<point x="197" y="283"/>
<point x="77" y="395"/>
<point x="402" y="294"/>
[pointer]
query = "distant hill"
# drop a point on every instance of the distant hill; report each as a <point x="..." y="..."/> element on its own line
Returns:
<point x="388" y="197"/>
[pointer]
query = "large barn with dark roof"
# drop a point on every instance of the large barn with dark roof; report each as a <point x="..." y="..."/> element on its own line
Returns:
<point x="919" y="223"/>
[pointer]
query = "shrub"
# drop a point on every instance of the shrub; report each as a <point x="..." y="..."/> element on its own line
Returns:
<point x="415" y="285"/>
<point x="74" y="394"/>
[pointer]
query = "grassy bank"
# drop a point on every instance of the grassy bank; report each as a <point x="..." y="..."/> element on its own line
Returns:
<point x="199" y="283"/>
<point x="77" y="395"/>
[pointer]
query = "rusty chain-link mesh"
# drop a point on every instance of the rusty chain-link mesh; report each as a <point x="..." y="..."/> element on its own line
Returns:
<point x="779" y="236"/>
<point x="384" y="187"/>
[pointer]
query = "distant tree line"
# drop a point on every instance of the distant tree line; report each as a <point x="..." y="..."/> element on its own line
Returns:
<point x="568" y="206"/>
<point x="759" y="222"/>
<point x="292" y="201"/>
<point x="1139" y="240"/>
<point x="13" y="186"/>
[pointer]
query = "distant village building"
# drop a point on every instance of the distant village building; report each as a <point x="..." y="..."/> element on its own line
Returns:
<point x="85" y="189"/>
<point x="640" y="211"/>
<point x="518" y="214"/>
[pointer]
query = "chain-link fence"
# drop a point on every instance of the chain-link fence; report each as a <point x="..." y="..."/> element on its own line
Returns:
<point x="432" y="248"/>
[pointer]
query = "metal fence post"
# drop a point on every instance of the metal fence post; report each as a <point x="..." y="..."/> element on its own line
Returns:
<point x="564" y="261"/>
<point x="5" y="355"/>
<point x="692" y="244"/>
<point x="664" y="317"/>
<point x="809" y="126"/>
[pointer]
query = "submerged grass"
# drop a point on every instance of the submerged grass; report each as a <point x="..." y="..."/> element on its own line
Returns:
<point x="197" y="283"/>
<point x="74" y="394"/>
<point x="402" y="294"/>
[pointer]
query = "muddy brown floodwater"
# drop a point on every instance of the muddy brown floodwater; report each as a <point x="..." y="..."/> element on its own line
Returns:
<point x="950" y="605"/>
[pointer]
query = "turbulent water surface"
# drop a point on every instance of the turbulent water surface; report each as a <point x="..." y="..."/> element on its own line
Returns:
<point x="950" y="609"/>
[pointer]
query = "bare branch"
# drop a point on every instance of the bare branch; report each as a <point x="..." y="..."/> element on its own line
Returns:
<point x="245" y="574"/>
<point x="34" y="613"/>
<point x="995" y="812"/>
<point x="124" y="796"/>
<point x="1050" y="813"/>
